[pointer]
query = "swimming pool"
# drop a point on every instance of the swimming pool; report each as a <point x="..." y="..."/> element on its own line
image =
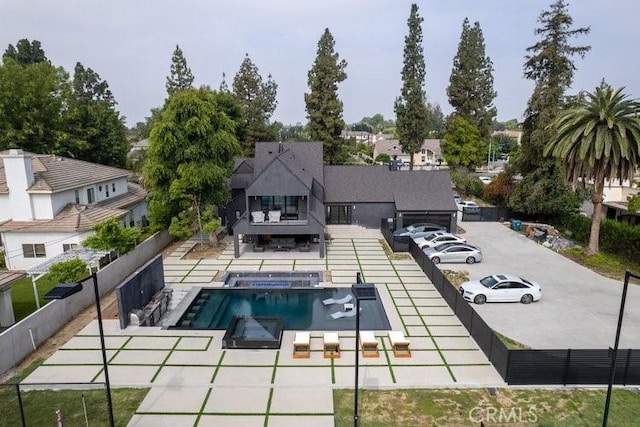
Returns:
<point x="300" y="308"/>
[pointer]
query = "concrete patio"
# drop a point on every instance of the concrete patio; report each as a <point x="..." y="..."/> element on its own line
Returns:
<point x="195" y="382"/>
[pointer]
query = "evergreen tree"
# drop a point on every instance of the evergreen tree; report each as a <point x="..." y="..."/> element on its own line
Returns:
<point x="462" y="145"/>
<point x="223" y="85"/>
<point x="95" y="129"/>
<point x="189" y="160"/>
<point x="180" y="77"/>
<point x="26" y="52"/>
<point x="31" y="104"/>
<point x="470" y="88"/>
<point x="543" y="189"/>
<point x="412" y="116"/>
<point x="324" y="108"/>
<point x="258" y="102"/>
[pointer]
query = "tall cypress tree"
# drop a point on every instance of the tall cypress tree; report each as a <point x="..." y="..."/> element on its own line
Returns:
<point x="543" y="189"/>
<point x="180" y="77"/>
<point x="324" y="108"/>
<point x="26" y="52"/>
<point x="258" y="102"/>
<point x="470" y="88"/>
<point x="412" y="116"/>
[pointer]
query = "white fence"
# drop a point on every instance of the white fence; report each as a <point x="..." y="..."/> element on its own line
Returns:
<point x="19" y="340"/>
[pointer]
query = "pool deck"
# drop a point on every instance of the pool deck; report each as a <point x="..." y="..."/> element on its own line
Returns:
<point x="194" y="382"/>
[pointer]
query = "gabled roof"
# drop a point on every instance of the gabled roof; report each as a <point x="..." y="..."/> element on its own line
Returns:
<point x="409" y="190"/>
<point x="304" y="159"/>
<point x="72" y="218"/>
<point x="54" y="173"/>
<point x="242" y="173"/>
<point x="392" y="147"/>
<point x="277" y="179"/>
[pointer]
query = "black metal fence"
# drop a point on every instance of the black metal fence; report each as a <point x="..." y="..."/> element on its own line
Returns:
<point x="527" y="367"/>
<point x="43" y="404"/>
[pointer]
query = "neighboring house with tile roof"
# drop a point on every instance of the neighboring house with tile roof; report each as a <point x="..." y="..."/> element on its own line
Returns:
<point x="49" y="204"/>
<point x="287" y="193"/>
<point x="429" y="154"/>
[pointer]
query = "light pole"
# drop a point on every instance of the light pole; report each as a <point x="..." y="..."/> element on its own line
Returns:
<point x="614" y="353"/>
<point x="361" y="291"/>
<point x="65" y="290"/>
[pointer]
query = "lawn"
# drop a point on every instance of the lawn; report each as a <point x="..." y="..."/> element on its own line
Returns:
<point x="24" y="302"/>
<point x="608" y="265"/>
<point x="469" y="407"/>
<point x="40" y="406"/>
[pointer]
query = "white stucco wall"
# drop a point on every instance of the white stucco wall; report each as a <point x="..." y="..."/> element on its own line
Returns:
<point x="42" y="208"/>
<point x="19" y="175"/>
<point x="5" y="214"/>
<point x="53" y="246"/>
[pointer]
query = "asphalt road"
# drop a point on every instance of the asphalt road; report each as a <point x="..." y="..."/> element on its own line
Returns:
<point x="578" y="309"/>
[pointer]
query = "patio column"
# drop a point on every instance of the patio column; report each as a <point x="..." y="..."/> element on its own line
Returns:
<point x="7" y="318"/>
<point x="236" y="246"/>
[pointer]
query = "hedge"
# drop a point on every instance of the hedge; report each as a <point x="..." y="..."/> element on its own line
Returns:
<point x="615" y="237"/>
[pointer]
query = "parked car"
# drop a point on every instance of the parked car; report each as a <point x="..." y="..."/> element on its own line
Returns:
<point x="501" y="288"/>
<point x="453" y="252"/>
<point x="471" y="206"/>
<point x="485" y="179"/>
<point x="416" y="230"/>
<point x="436" y="238"/>
<point x="457" y="198"/>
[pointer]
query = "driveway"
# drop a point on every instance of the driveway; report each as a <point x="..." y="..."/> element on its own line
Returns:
<point x="578" y="309"/>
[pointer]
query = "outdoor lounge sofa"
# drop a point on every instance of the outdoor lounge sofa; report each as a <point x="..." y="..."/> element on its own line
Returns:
<point x="369" y="344"/>
<point x="257" y="216"/>
<point x="302" y="345"/>
<point x="331" y="345"/>
<point x="399" y="344"/>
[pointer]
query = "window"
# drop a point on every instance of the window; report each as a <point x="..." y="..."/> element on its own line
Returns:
<point x="68" y="246"/>
<point x="131" y="221"/>
<point x="34" y="250"/>
<point x="423" y="159"/>
<point x="113" y="187"/>
<point x="91" y="195"/>
<point x="106" y="189"/>
<point x="424" y="151"/>
<point x="100" y="188"/>
<point x="76" y="194"/>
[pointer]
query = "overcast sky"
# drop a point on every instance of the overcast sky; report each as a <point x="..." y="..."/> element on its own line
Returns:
<point x="130" y="43"/>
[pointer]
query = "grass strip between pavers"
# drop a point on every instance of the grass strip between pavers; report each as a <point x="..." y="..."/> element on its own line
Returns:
<point x="275" y="367"/>
<point x="204" y="403"/>
<point x="386" y="356"/>
<point x="192" y="268"/>
<point x="446" y="365"/>
<point x="215" y="371"/>
<point x="269" y="400"/>
<point x="162" y="365"/>
<point x="355" y="251"/>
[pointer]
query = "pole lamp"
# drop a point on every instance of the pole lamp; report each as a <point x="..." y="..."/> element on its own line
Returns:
<point x="362" y="292"/>
<point x="65" y="290"/>
<point x="614" y="352"/>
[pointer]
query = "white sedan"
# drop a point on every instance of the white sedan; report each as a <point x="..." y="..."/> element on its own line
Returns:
<point x="437" y="238"/>
<point x="501" y="288"/>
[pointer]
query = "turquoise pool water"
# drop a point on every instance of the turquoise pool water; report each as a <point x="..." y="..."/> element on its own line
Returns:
<point x="301" y="309"/>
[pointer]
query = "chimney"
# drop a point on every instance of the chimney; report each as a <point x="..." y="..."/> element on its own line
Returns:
<point x="18" y="172"/>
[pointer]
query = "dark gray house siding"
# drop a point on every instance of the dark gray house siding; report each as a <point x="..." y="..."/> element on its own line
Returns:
<point x="291" y="177"/>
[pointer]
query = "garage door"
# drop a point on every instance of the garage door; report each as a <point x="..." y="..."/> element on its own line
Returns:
<point x="440" y="219"/>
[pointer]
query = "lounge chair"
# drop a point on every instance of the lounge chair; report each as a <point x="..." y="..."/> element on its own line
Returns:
<point x="302" y="345"/>
<point x="399" y="344"/>
<point x="345" y="299"/>
<point x="274" y="216"/>
<point x="331" y="345"/>
<point x="369" y="344"/>
<point x="341" y="314"/>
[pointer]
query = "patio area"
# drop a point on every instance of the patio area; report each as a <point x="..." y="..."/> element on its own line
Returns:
<point x="195" y="382"/>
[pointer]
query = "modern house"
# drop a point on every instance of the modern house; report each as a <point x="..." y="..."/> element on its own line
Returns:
<point x="49" y="204"/>
<point x="615" y="201"/>
<point x="429" y="154"/>
<point x="284" y="196"/>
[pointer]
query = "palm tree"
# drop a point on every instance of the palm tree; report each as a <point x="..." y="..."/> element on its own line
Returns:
<point x="598" y="139"/>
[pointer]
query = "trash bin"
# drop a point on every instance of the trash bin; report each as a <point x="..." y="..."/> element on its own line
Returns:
<point x="516" y="224"/>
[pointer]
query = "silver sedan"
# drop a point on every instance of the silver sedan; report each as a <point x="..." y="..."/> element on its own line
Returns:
<point x="454" y="252"/>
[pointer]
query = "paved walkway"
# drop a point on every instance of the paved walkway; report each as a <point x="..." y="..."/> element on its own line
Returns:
<point x="195" y="382"/>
